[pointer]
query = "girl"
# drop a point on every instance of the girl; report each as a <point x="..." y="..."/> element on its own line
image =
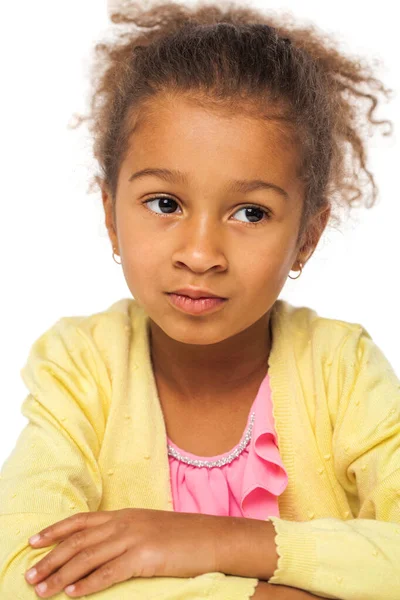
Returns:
<point x="205" y="438"/>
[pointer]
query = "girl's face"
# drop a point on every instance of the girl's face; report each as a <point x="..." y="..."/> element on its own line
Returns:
<point x="238" y="243"/>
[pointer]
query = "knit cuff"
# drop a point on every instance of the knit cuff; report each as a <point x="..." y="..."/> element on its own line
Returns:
<point x="296" y="549"/>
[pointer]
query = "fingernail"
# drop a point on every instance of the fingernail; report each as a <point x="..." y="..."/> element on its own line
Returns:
<point x="34" y="539"/>
<point x="42" y="587"/>
<point x="31" y="574"/>
<point x="69" y="589"/>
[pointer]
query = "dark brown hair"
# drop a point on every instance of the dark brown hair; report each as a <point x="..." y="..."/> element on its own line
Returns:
<point x="235" y="58"/>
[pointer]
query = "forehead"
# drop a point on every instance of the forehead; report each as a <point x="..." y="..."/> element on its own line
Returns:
<point x="203" y="136"/>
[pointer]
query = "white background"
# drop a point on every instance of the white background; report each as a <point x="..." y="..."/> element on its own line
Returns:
<point x="55" y="254"/>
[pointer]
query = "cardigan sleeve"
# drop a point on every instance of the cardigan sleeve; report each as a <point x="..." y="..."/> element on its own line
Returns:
<point x="53" y="470"/>
<point x="360" y="557"/>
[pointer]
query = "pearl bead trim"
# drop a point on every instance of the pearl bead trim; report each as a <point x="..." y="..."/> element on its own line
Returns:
<point x="220" y="462"/>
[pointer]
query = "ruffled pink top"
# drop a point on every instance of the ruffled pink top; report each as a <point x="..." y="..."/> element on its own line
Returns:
<point x="244" y="482"/>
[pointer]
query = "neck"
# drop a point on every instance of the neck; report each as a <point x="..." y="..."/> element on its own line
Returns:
<point x="197" y="373"/>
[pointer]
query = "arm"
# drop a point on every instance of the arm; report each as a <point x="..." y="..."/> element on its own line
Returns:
<point x="246" y="547"/>
<point x="360" y="557"/>
<point x="53" y="471"/>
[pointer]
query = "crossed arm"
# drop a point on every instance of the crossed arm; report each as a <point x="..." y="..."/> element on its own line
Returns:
<point x="151" y="543"/>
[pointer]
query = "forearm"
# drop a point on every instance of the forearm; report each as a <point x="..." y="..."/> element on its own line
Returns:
<point x="246" y="548"/>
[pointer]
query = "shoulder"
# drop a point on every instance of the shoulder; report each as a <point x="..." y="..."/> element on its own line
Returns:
<point x="86" y="344"/>
<point x="346" y="344"/>
<point x="96" y="329"/>
<point x="303" y="327"/>
<point x="308" y="320"/>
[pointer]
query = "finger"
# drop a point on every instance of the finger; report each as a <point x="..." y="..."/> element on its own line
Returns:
<point x="84" y="563"/>
<point x="112" y="572"/>
<point x="66" y="527"/>
<point x="67" y="549"/>
<point x="61" y="529"/>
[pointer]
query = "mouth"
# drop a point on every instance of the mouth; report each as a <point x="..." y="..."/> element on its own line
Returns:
<point x="196" y="297"/>
<point x="196" y="293"/>
<point x="195" y="306"/>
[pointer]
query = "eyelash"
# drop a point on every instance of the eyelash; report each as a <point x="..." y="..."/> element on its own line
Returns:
<point x="266" y="212"/>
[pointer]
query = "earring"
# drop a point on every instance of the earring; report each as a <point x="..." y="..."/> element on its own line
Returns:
<point x="301" y="270"/>
<point x="118" y="263"/>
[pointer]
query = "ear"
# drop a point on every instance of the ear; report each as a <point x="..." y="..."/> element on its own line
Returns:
<point x="313" y="234"/>
<point x="109" y="217"/>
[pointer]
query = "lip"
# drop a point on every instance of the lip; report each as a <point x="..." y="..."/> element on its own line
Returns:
<point x="195" y="306"/>
<point x="195" y="293"/>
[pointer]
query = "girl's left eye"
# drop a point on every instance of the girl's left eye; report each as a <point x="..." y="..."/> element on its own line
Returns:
<point x="253" y="210"/>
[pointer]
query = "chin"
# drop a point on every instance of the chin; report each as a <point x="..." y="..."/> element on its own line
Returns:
<point x="193" y="331"/>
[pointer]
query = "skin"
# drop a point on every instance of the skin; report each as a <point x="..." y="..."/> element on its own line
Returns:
<point x="205" y="239"/>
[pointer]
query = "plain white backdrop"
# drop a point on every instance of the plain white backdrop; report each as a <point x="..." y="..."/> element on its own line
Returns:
<point x="55" y="254"/>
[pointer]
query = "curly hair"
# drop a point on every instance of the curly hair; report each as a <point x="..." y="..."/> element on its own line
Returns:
<point x="235" y="58"/>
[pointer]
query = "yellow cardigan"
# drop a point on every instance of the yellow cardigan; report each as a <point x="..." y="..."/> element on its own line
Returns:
<point x="96" y="440"/>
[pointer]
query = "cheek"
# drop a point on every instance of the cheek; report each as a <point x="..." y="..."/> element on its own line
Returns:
<point x="141" y="273"/>
<point x="139" y="266"/>
<point x="282" y="266"/>
<point x="265" y="275"/>
<point x="266" y="264"/>
<point x="141" y="254"/>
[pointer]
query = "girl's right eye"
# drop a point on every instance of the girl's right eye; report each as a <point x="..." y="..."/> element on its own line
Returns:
<point x="166" y="205"/>
<point x="165" y="200"/>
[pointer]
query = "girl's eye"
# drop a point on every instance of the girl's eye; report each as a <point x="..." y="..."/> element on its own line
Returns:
<point x="251" y="211"/>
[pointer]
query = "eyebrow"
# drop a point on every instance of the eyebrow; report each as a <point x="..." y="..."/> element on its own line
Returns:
<point x="234" y="185"/>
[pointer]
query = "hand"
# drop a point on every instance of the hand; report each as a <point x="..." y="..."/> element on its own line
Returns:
<point x="99" y="549"/>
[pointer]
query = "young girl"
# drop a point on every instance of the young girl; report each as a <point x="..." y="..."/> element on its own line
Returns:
<point x="205" y="438"/>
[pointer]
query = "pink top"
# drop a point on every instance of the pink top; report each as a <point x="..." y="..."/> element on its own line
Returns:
<point x="246" y="484"/>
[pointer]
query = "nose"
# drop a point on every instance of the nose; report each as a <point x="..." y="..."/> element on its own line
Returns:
<point x="200" y="245"/>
